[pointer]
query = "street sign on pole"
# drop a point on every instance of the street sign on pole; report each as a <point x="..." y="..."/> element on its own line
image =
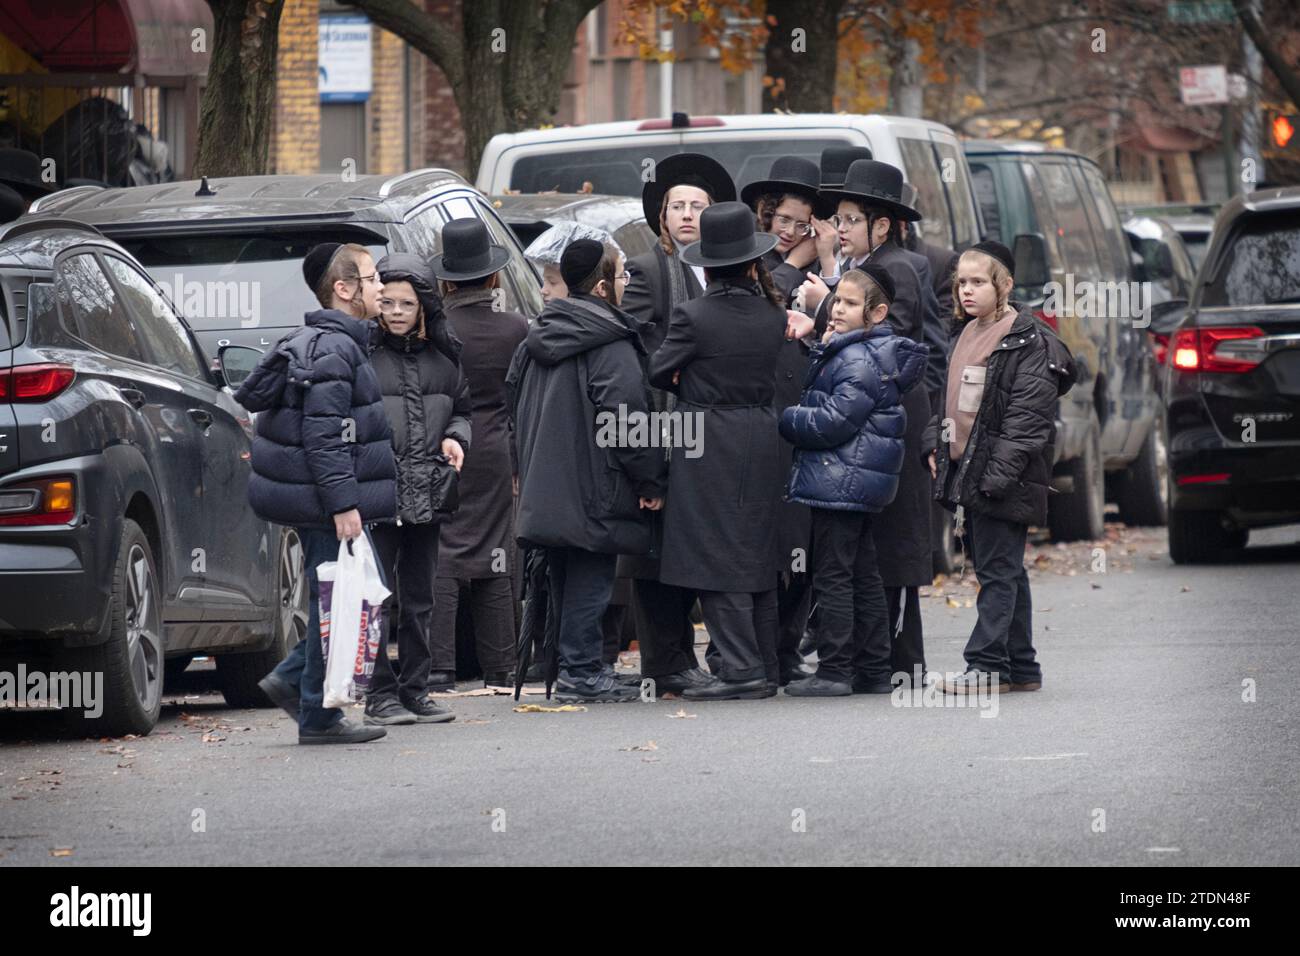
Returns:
<point x="1201" y="11"/>
<point x="1203" y="85"/>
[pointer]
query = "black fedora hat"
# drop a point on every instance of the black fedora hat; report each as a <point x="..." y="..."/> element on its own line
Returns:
<point x="835" y="162"/>
<point x="872" y="183"/>
<point x="727" y="237"/>
<point x="790" y="174"/>
<point x="684" y="169"/>
<point x="21" y="169"/>
<point x="467" y="252"/>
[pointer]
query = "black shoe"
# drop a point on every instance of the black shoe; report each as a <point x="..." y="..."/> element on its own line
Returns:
<point x="387" y="710"/>
<point x="729" y="690"/>
<point x="861" y="686"/>
<point x="773" y="688"/>
<point x="535" y="674"/>
<point x="499" y="679"/>
<point x="819" y="687"/>
<point x="427" y="712"/>
<point x="974" y="682"/>
<point x="341" y="732"/>
<point x="678" y="683"/>
<point x="281" y="693"/>
<point x="601" y="689"/>
<point x="796" y="672"/>
<point x="441" y="681"/>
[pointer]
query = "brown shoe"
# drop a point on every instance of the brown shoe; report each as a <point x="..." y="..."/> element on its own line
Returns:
<point x="1028" y="685"/>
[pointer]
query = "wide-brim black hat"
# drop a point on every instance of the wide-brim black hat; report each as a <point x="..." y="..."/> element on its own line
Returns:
<point x="727" y="237"/>
<point x="21" y="169"/>
<point x="685" y="169"/>
<point x="790" y="174"/>
<point x="468" y="252"/>
<point x="877" y="184"/>
<point x="835" y="162"/>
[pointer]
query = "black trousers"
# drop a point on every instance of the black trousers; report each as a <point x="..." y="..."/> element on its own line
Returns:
<point x="408" y="553"/>
<point x="852" y="624"/>
<point x="580" y="585"/>
<point x="492" y="611"/>
<point x="793" y="604"/>
<point x="907" y="650"/>
<point x="1002" y="641"/>
<point x="662" y="616"/>
<point x="742" y="633"/>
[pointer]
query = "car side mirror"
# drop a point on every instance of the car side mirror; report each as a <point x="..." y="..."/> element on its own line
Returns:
<point x="1030" y="253"/>
<point x="237" y="363"/>
<point x="1137" y="266"/>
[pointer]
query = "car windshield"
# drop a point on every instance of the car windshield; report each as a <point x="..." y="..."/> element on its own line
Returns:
<point x="1261" y="265"/>
<point x="618" y="170"/>
<point x="234" y="281"/>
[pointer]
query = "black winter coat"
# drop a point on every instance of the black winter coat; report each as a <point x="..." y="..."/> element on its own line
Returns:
<point x="323" y="445"/>
<point x="720" y="524"/>
<point x="1006" y="469"/>
<point x="427" y="399"/>
<point x="581" y="363"/>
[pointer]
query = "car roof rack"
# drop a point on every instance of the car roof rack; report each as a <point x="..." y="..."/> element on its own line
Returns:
<point x="62" y="194"/>
<point x="407" y="179"/>
<point x="28" y="224"/>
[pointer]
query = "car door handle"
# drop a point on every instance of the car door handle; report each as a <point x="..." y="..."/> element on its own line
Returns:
<point x="201" y="416"/>
<point x="133" y="395"/>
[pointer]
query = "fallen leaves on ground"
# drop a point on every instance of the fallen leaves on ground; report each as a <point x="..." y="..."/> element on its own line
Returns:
<point x="681" y="712"/>
<point x="648" y="745"/>
<point x="62" y="851"/>
<point x="539" y="709"/>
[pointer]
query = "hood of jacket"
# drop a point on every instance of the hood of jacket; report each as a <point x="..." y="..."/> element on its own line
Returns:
<point x="580" y="323"/>
<point x="901" y="360"/>
<point x="405" y="267"/>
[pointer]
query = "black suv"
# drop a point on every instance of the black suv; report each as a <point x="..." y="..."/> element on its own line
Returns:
<point x="1233" y="386"/>
<point x="229" y="252"/>
<point x="531" y="214"/>
<point x="126" y="542"/>
<point x="1053" y="209"/>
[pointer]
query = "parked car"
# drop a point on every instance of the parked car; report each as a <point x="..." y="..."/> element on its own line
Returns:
<point x="529" y="215"/>
<point x="1233" y="386"/>
<point x="229" y="251"/>
<point x="126" y="542"/>
<point x="1192" y="221"/>
<point x="614" y="157"/>
<point x="1053" y="209"/>
<point x="1160" y="258"/>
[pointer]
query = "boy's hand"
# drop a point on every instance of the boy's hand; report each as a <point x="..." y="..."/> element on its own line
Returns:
<point x="651" y="504"/>
<point x="814" y="290"/>
<point x="934" y="472"/>
<point x="455" y="454"/>
<point x="797" y="325"/>
<point x="348" y="525"/>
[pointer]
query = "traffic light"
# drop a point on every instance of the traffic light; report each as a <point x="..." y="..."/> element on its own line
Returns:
<point x="1282" y="129"/>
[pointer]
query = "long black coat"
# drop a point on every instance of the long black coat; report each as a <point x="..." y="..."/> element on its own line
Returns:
<point x="485" y="520"/>
<point x="720" y="524"/>
<point x="647" y="299"/>
<point x="582" y="358"/>
<point x="427" y="399"/>
<point x="902" y="531"/>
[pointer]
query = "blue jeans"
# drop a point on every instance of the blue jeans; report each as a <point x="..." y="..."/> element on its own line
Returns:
<point x="304" y="668"/>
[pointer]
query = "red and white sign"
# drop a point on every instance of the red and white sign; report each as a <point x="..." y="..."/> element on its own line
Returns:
<point x="1203" y="85"/>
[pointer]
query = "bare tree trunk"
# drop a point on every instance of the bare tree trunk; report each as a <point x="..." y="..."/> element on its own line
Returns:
<point x="803" y="62"/>
<point x="506" y="67"/>
<point x="906" y="94"/>
<point x="236" y="110"/>
<point x="1285" y="73"/>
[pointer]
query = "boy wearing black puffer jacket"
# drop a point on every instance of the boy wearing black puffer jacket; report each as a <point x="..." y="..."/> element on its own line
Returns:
<point x="848" y="432"/>
<point x="994" y="461"/>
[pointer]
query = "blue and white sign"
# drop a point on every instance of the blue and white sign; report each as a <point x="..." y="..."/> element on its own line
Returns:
<point x="343" y="59"/>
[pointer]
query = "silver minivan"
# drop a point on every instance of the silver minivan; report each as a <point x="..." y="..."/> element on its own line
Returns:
<point x="617" y="158"/>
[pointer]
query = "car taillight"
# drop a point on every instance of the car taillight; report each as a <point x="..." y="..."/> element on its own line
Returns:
<point x="1218" y="349"/>
<point x="1049" y="318"/>
<point x="1160" y="346"/>
<point x="34" y="383"/>
<point x="44" y="501"/>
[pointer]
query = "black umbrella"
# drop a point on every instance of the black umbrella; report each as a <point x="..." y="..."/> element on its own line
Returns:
<point x="536" y="615"/>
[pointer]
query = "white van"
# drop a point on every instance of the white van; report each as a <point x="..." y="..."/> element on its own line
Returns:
<point x="614" y="156"/>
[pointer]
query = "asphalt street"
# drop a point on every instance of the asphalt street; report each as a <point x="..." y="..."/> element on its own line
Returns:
<point x="1166" y="733"/>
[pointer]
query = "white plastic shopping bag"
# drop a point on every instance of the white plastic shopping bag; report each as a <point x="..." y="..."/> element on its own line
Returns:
<point x="352" y="594"/>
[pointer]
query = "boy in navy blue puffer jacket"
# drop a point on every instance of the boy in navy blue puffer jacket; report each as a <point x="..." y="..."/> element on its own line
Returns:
<point x="848" y="432"/>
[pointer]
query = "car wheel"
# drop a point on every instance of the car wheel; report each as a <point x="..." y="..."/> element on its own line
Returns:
<point x="1142" y="492"/>
<point x="1081" y="513"/>
<point x="1200" y="537"/>
<point x="238" y="674"/>
<point x="947" y="546"/>
<point x="131" y="660"/>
